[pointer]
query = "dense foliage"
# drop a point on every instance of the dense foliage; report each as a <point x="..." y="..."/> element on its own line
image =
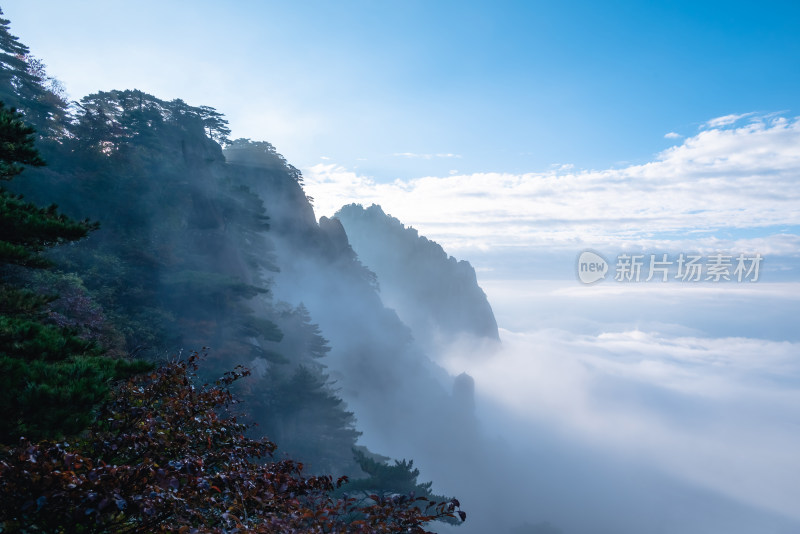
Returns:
<point x="50" y="378"/>
<point x="187" y="264"/>
<point x="166" y="456"/>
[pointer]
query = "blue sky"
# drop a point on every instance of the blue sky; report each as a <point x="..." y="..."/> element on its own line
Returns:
<point x="463" y="117"/>
<point x="468" y="86"/>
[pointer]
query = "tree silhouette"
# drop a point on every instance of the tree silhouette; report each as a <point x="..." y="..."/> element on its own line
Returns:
<point x="25" y="85"/>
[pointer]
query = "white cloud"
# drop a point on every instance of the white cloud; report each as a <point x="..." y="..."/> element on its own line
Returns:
<point x="719" y="411"/>
<point x="672" y="135"/>
<point x="621" y="390"/>
<point x="726" y="120"/>
<point x="562" y="166"/>
<point x="736" y="177"/>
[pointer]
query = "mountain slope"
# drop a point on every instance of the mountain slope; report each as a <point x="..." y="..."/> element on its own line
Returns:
<point x="432" y="292"/>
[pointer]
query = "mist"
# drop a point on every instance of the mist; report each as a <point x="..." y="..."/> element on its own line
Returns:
<point x="602" y="409"/>
<point x="623" y="407"/>
<point x="624" y="410"/>
<point x="623" y="425"/>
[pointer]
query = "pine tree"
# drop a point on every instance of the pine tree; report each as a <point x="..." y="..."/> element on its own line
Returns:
<point x="310" y="422"/>
<point x="25" y="85"/>
<point x="25" y="229"/>
<point x="387" y="480"/>
<point x="50" y="379"/>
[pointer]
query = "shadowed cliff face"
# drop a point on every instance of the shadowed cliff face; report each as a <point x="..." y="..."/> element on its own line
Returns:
<point x="436" y="295"/>
<point x="383" y="374"/>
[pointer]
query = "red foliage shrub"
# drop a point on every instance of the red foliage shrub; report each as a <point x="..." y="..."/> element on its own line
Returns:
<point x="168" y="456"/>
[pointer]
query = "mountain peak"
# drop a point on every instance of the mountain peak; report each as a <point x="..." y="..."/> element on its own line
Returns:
<point x="435" y="294"/>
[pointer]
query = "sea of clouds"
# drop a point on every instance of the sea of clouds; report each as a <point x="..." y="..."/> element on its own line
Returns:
<point x="696" y="384"/>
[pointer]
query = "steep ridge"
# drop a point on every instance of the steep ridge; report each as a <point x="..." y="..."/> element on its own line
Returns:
<point x="385" y="377"/>
<point x="435" y="294"/>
